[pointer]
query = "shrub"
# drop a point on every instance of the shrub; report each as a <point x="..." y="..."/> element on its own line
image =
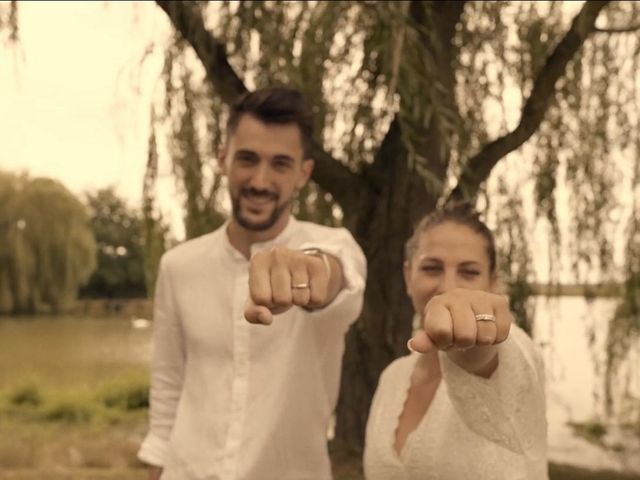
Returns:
<point x="129" y="393"/>
<point x="26" y="395"/>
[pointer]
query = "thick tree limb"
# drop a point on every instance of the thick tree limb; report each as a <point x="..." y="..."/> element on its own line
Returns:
<point x="479" y="167"/>
<point x="446" y="16"/>
<point x="186" y="18"/>
<point x="435" y="24"/>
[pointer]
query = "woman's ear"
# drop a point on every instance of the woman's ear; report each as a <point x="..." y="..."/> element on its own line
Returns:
<point x="406" y="271"/>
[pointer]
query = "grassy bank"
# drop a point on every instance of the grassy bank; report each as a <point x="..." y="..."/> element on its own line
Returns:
<point x="77" y="433"/>
<point x="94" y="434"/>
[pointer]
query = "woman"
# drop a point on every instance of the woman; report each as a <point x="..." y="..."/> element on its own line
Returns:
<point x="468" y="403"/>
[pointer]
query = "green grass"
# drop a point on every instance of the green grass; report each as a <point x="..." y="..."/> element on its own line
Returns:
<point x="73" y="433"/>
<point x="84" y="433"/>
<point x="112" y="401"/>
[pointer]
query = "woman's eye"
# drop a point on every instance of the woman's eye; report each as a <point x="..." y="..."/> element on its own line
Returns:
<point x="431" y="269"/>
<point x="470" y="273"/>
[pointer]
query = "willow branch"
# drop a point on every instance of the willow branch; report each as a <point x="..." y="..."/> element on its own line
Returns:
<point x="536" y="105"/>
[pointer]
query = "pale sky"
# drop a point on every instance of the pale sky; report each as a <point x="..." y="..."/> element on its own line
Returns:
<point x="68" y="104"/>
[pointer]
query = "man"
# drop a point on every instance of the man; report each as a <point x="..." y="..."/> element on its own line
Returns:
<point x="250" y="319"/>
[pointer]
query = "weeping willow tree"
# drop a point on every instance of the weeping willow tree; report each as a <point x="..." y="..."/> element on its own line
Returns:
<point x="47" y="248"/>
<point x="419" y="105"/>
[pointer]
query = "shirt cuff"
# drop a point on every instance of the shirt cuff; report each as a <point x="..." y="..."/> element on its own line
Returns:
<point x="348" y="302"/>
<point x="353" y="263"/>
<point x="154" y="450"/>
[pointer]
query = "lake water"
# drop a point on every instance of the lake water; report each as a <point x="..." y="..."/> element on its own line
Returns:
<point x="570" y="332"/>
<point x="66" y="351"/>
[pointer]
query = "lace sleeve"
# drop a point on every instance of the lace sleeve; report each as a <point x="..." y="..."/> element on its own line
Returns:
<point x="509" y="407"/>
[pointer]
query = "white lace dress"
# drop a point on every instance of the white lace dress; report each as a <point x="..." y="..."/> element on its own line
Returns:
<point x="474" y="429"/>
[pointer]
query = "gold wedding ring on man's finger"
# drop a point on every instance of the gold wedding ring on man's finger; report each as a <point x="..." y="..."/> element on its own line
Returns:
<point x="299" y="286"/>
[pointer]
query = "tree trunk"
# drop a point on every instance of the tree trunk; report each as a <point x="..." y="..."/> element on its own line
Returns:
<point x="381" y="223"/>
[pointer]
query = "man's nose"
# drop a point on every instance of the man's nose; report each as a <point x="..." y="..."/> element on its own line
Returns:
<point x="260" y="176"/>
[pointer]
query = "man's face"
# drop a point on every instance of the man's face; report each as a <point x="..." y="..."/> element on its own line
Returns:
<point x="265" y="166"/>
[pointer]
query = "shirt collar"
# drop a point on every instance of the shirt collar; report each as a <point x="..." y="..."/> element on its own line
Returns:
<point x="282" y="238"/>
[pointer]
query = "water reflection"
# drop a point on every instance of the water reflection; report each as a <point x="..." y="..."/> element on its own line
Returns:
<point x="70" y="351"/>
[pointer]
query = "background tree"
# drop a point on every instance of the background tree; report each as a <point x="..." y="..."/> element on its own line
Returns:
<point x="119" y="256"/>
<point x="47" y="249"/>
<point x="414" y="105"/>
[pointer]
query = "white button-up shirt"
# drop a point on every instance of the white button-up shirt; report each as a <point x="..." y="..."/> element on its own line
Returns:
<point x="231" y="400"/>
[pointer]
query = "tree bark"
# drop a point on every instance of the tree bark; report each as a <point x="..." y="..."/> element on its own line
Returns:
<point x="384" y="222"/>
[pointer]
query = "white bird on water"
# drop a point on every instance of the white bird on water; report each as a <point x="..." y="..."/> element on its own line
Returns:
<point x="140" y="323"/>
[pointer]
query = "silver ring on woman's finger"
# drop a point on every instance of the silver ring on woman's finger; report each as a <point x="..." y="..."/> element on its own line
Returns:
<point x="485" y="317"/>
<point x="299" y="286"/>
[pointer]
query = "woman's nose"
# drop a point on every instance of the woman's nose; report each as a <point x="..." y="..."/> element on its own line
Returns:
<point x="447" y="283"/>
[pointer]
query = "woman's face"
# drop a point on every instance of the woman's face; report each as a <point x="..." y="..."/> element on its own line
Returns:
<point x="448" y="256"/>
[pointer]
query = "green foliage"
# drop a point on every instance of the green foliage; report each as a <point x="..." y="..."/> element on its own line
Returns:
<point x="182" y="117"/>
<point x="154" y="230"/>
<point x="514" y="264"/>
<point x="120" y="262"/>
<point x="112" y="401"/>
<point x="28" y="394"/>
<point x="127" y="394"/>
<point x="67" y="410"/>
<point x="592" y="431"/>
<point x="47" y="249"/>
<point x="624" y="327"/>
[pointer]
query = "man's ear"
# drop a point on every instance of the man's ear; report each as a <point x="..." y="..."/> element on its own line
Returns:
<point x="222" y="159"/>
<point x="305" y="172"/>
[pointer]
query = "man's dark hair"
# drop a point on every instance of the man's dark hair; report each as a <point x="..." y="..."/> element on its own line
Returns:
<point x="462" y="214"/>
<point x="279" y="105"/>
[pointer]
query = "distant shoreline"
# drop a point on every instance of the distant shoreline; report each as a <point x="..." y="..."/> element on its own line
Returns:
<point x="132" y="308"/>
<point x="576" y="290"/>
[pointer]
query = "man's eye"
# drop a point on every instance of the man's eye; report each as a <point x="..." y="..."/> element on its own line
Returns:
<point x="282" y="164"/>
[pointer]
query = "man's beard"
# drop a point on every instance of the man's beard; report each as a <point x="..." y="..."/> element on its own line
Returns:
<point x="269" y="222"/>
